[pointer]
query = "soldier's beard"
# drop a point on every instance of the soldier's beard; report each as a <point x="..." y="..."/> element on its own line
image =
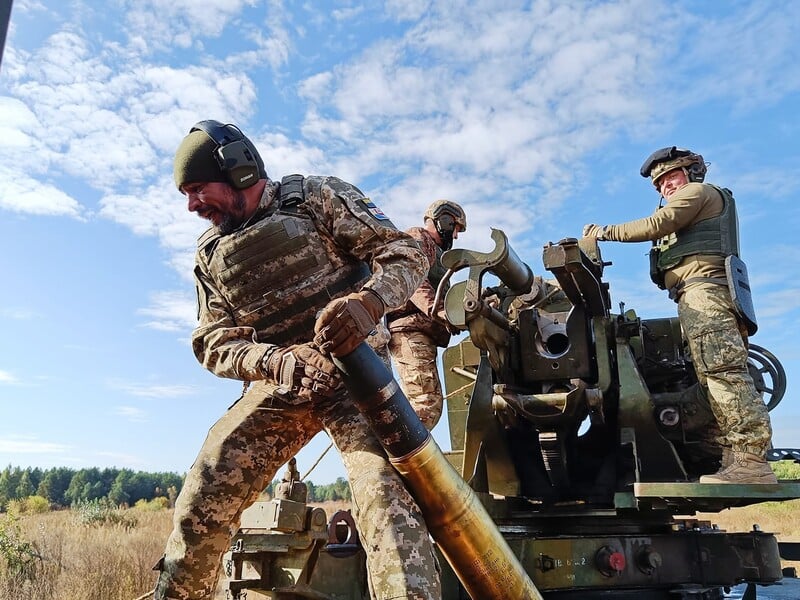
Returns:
<point x="232" y="220"/>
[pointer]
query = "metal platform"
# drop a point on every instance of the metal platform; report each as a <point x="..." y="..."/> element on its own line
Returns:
<point x="706" y="497"/>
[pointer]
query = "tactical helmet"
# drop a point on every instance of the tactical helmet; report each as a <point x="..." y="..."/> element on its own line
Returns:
<point x="666" y="159"/>
<point x="445" y="215"/>
<point x="442" y="207"/>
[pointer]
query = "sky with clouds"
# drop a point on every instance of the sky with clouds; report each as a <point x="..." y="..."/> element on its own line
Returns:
<point x="535" y="116"/>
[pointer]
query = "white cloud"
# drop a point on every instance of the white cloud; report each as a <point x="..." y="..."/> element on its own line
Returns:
<point x="23" y="194"/>
<point x="7" y="378"/>
<point x="131" y="413"/>
<point x="29" y="445"/>
<point x="752" y="56"/>
<point x="162" y="22"/>
<point x="510" y="94"/>
<point x="159" y="210"/>
<point x="171" y="311"/>
<point x="153" y="391"/>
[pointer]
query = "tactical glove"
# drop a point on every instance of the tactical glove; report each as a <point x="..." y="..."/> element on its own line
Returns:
<point x="346" y="322"/>
<point x="303" y="370"/>
<point x="594" y="231"/>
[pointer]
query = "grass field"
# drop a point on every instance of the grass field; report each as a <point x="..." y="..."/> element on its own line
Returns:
<point x="114" y="560"/>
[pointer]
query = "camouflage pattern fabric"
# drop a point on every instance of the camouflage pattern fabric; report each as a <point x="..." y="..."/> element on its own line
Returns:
<point x="710" y="325"/>
<point x="241" y="455"/>
<point x="345" y="228"/>
<point x="263" y="430"/>
<point x="414" y="354"/>
<point x="416" y="314"/>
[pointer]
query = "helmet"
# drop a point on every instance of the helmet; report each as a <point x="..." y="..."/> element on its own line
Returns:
<point x="447" y="207"/>
<point x="666" y="159"/>
<point x="445" y="215"/>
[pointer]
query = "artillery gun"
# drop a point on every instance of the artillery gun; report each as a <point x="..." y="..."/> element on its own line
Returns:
<point x="581" y="432"/>
<point x="587" y="430"/>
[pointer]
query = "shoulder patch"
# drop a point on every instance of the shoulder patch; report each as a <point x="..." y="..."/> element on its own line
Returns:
<point x="370" y="207"/>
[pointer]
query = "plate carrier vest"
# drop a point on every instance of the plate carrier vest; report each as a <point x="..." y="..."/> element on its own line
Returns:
<point x="279" y="271"/>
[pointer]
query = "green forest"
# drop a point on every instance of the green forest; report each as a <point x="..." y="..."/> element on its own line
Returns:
<point x="62" y="486"/>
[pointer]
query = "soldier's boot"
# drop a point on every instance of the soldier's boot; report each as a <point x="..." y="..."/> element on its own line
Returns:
<point x="727" y="458"/>
<point x="744" y="467"/>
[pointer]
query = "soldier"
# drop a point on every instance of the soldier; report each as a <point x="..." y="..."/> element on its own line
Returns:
<point x="275" y="256"/>
<point x="418" y="328"/>
<point x="695" y="257"/>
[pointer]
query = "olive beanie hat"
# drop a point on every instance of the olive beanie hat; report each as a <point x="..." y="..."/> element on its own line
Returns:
<point x="195" y="161"/>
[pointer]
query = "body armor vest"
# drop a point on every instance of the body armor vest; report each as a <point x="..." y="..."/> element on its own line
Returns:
<point x="276" y="273"/>
<point x="718" y="235"/>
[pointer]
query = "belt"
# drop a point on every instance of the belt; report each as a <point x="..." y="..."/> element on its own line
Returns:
<point x="676" y="290"/>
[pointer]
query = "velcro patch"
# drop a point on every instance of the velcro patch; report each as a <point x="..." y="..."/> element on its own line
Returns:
<point x="376" y="212"/>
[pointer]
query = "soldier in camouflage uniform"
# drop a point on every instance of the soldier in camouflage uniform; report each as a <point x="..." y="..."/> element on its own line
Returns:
<point x="276" y="255"/>
<point x="695" y="232"/>
<point x="418" y="328"/>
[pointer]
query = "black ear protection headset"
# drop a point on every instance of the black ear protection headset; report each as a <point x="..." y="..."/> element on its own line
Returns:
<point x="235" y="154"/>
<point x="445" y="225"/>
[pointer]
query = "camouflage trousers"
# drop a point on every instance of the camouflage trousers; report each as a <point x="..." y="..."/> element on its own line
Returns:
<point x="711" y="327"/>
<point x="239" y="458"/>
<point x="414" y="355"/>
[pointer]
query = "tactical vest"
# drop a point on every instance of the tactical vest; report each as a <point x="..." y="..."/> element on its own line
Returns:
<point x="277" y="273"/>
<point x="718" y="235"/>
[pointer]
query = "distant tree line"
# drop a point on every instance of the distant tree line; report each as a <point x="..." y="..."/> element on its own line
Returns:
<point x="338" y="490"/>
<point x="62" y="486"/>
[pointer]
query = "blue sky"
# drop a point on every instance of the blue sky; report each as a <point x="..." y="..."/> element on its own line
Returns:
<point x="535" y="116"/>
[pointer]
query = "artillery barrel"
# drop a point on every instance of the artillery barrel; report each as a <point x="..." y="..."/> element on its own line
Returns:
<point x="463" y="530"/>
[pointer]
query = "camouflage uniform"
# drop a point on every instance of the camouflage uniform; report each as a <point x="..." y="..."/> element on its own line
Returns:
<point x="329" y="236"/>
<point x="708" y="318"/>
<point x="416" y="335"/>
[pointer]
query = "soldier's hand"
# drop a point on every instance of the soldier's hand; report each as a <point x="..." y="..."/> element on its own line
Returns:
<point x="305" y="371"/>
<point x="441" y="316"/>
<point x="594" y="231"/>
<point x="346" y="322"/>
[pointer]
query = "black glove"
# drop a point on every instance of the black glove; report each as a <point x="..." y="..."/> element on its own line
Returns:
<point x="305" y="371"/>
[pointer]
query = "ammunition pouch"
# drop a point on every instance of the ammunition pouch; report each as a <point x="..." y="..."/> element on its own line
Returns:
<point x="656" y="274"/>
<point x="739" y="286"/>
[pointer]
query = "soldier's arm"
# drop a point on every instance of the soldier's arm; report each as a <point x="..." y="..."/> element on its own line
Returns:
<point x="398" y="265"/>
<point x="222" y="347"/>
<point x="680" y="212"/>
<point x="425" y="294"/>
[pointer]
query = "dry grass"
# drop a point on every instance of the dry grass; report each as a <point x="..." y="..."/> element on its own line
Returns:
<point x="780" y="518"/>
<point x="110" y="562"/>
<point x="94" y="562"/>
<point x="80" y="562"/>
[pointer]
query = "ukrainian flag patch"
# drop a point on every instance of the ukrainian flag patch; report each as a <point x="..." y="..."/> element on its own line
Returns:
<point x="376" y="212"/>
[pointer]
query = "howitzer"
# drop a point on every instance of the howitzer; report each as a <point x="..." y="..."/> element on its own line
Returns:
<point x="588" y="431"/>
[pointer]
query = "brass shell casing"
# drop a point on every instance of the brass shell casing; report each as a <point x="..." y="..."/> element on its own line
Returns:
<point x="465" y="533"/>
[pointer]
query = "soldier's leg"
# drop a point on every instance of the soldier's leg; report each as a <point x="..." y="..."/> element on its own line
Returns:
<point x="400" y="556"/>
<point x="720" y="358"/>
<point x="239" y="458"/>
<point x="414" y="356"/>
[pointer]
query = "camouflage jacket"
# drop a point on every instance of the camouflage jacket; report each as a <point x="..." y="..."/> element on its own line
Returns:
<point x="416" y="315"/>
<point x="348" y="228"/>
